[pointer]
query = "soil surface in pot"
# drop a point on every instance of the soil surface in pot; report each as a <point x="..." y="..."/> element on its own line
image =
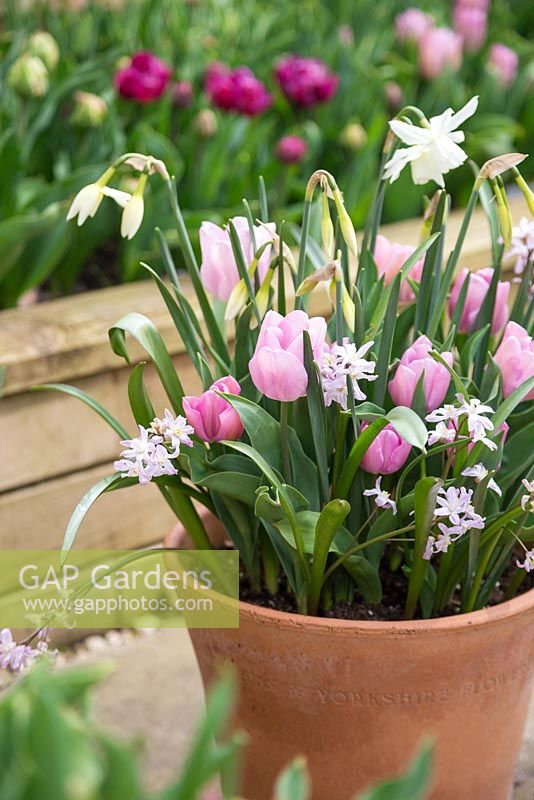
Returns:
<point x="394" y="586"/>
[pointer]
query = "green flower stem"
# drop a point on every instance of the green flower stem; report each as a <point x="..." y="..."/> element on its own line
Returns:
<point x="301" y="267"/>
<point x="357" y="548"/>
<point x="339" y="454"/>
<point x="284" y="444"/>
<point x="188" y="516"/>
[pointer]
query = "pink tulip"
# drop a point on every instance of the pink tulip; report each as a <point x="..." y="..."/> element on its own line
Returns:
<point x="412" y="24"/>
<point x="182" y="94"/>
<point x="277" y="366"/>
<point x="440" y="49"/>
<point x="389" y="258"/>
<point x="414" y="362"/>
<point x="476" y="292"/>
<point x="212" y="417"/>
<point x="291" y="149"/>
<point x="387" y="454"/>
<point x="515" y="358"/>
<point x="219" y="271"/>
<point x="144" y="79"/>
<point x="471" y="23"/>
<point x="504" y="63"/>
<point x="306" y="81"/>
<point x="236" y="90"/>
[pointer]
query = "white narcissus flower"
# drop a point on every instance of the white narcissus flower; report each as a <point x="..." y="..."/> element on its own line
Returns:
<point x="432" y="148"/>
<point x="88" y="199"/>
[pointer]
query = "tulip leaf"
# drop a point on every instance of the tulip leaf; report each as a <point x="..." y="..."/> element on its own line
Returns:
<point x="146" y="333"/>
<point x="294" y="782"/>
<point x="317" y="412"/>
<point x="386" y="344"/>
<point x="409" y="426"/>
<point x="427" y="285"/>
<point x="140" y="404"/>
<point x="330" y="519"/>
<point x="425" y="498"/>
<point x="237" y="485"/>
<point x="89" y="401"/>
<point x="413" y="785"/>
<point x="511" y="403"/>
<point x="359" y="449"/>
<point x="365" y="576"/>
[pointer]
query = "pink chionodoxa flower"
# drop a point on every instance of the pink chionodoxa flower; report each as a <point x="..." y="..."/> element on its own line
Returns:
<point x="144" y="79"/>
<point x="440" y="50"/>
<point x="306" y="81"/>
<point x="387" y="453"/>
<point x="212" y="417"/>
<point x="277" y="366"/>
<point x="472" y="24"/>
<point x="415" y="361"/>
<point x="236" y="90"/>
<point x="291" y="149"/>
<point x="479" y="283"/>
<point x="411" y="24"/>
<point x="504" y="63"/>
<point x="515" y="358"/>
<point x="389" y="258"/>
<point x="218" y="270"/>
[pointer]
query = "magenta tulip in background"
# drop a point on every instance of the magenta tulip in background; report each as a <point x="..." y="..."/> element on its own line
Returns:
<point x="306" y="81"/>
<point x="277" y="366"/>
<point x="440" y="50"/>
<point x="515" y="358"/>
<point x="236" y="90"/>
<point x="414" y="362"/>
<point x="387" y="454"/>
<point x="389" y="258"/>
<point x="478" y="288"/>
<point x="504" y="62"/>
<point x="182" y="94"/>
<point x="411" y="24"/>
<point x="144" y="79"/>
<point x="212" y="417"/>
<point x="471" y="22"/>
<point x="218" y="271"/>
<point x="291" y="149"/>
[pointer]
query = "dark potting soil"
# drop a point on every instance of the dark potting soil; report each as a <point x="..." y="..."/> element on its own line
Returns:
<point x="390" y="609"/>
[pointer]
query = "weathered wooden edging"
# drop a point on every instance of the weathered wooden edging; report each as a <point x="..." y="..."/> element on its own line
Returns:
<point x="54" y="448"/>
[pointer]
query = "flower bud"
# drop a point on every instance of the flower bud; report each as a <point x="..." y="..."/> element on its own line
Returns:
<point x="90" y="110"/>
<point x="28" y="76"/>
<point x="205" y="123"/>
<point x="182" y="94"/>
<point x="327" y="229"/>
<point x="44" y="46"/>
<point x="345" y="222"/>
<point x="353" y="136"/>
<point x="527" y="192"/>
<point x="394" y="95"/>
<point x="503" y="211"/>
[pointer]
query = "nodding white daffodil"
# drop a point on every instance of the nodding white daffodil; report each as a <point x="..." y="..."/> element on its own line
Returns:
<point x="433" y="147"/>
<point x="87" y="201"/>
<point x="132" y="216"/>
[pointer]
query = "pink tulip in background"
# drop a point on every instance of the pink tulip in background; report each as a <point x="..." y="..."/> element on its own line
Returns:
<point x="414" y="362"/>
<point x="515" y="358"/>
<point x="504" y="63"/>
<point x="478" y="288"/>
<point x="144" y="79"/>
<point x="182" y="94"/>
<point x="306" y="81"/>
<point x="218" y="270"/>
<point x="440" y="50"/>
<point x="277" y="366"/>
<point x="471" y="22"/>
<point x="411" y="24"/>
<point x="389" y="258"/>
<point x="291" y="149"/>
<point x="236" y="90"/>
<point x="212" y="417"/>
<point x="387" y="454"/>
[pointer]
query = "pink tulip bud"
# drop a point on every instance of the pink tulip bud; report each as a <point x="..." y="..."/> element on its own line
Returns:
<point x="277" y="366"/>
<point x="387" y="454"/>
<point x="414" y="362"/>
<point x="389" y="258"/>
<point x="412" y="24"/>
<point x="478" y="288"/>
<point x="291" y="149"/>
<point x="236" y="90"/>
<point x="144" y="79"/>
<point x="440" y="49"/>
<point x="394" y="95"/>
<point x="182" y="94"/>
<point x="212" y="417"/>
<point x="515" y="358"/>
<point x="471" y="23"/>
<point x="504" y="62"/>
<point x="306" y="81"/>
<point x="219" y="271"/>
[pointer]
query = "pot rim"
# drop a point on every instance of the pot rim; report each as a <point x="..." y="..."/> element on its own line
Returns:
<point x="462" y="623"/>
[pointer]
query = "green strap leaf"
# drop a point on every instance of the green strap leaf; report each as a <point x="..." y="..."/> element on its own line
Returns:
<point x="88" y="400"/>
<point x="330" y="520"/>
<point x="425" y="495"/>
<point x="105" y="485"/>
<point x="359" y="448"/>
<point x="413" y="785"/>
<point x="294" y="782"/>
<point x="386" y="344"/>
<point x="140" y="403"/>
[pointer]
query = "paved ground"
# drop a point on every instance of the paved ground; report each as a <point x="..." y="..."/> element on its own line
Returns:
<point x="156" y="694"/>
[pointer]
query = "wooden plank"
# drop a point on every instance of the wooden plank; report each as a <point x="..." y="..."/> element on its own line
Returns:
<point x="36" y="517"/>
<point x="64" y="435"/>
<point x="66" y="339"/>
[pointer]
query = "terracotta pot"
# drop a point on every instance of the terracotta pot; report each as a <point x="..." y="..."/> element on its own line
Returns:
<point x="357" y="697"/>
